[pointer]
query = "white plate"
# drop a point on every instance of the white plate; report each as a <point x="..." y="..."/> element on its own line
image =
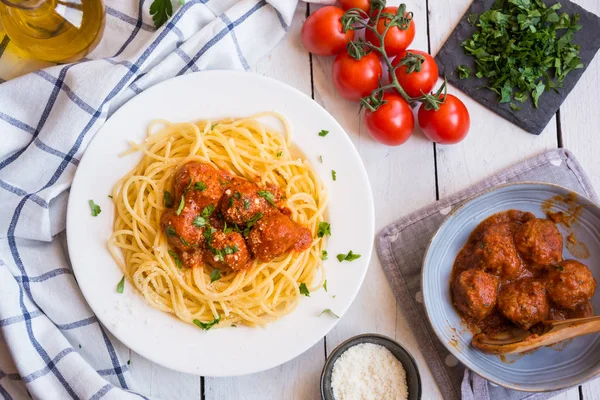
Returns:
<point x="163" y="338"/>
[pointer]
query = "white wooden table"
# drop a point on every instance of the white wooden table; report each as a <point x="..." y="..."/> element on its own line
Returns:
<point x="403" y="179"/>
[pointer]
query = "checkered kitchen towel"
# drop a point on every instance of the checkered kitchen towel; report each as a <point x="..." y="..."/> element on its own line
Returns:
<point x="51" y="345"/>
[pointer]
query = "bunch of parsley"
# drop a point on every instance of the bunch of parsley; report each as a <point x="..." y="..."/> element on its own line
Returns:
<point x="523" y="48"/>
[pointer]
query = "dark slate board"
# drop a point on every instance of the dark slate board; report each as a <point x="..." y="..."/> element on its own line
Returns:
<point x="532" y="119"/>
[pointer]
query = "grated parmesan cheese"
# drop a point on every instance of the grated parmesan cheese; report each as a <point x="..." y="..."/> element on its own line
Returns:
<point x="368" y="372"/>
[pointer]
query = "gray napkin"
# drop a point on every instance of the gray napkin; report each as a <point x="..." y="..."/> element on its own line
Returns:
<point x="401" y="248"/>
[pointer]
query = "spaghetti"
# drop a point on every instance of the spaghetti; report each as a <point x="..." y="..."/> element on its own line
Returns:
<point x="244" y="147"/>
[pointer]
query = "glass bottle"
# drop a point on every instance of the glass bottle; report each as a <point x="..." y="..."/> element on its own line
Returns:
<point x="53" y="30"/>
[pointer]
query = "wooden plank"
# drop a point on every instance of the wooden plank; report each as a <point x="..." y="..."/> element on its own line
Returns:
<point x="579" y="122"/>
<point x="402" y="180"/>
<point x="161" y="382"/>
<point x="299" y="378"/>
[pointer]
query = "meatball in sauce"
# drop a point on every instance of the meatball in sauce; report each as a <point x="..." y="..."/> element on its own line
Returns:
<point x="511" y="272"/>
<point x="226" y="222"/>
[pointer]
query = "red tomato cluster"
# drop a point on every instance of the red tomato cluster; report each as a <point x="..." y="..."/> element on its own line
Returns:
<point x="443" y="118"/>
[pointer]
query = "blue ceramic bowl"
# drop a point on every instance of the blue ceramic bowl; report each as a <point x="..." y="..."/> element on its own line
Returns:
<point x="547" y="368"/>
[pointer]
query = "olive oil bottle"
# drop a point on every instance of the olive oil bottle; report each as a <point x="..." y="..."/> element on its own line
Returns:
<point x="53" y="30"/>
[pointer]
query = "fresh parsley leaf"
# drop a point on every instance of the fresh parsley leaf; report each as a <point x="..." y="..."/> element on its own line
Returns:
<point x="237" y="195"/>
<point x="464" y="72"/>
<point x="348" y="257"/>
<point x="268" y="196"/>
<point x="246" y="204"/>
<point x="325" y="285"/>
<point x="208" y="210"/>
<point x="168" y="199"/>
<point x="95" y="208"/>
<point x="213" y="126"/>
<point x="215" y="275"/>
<point x="328" y="311"/>
<point x="199" y="222"/>
<point x="228" y="250"/>
<point x="207" y="325"/>
<point x="188" y="186"/>
<point x="558" y="267"/>
<point x="176" y="259"/>
<point x="181" y="204"/>
<point x="161" y="10"/>
<point x="321" y="159"/>
<point x="324" y="229"/>
<point x="199" y="186"/>
<point x="324" y="255"/>
<point x="250" y="223"/>
<point x="110" y="196"/>
<point x="333" y="175"/>
<point x="279" y="153"/>
<point x="304" y="289"/>
<point x="170" y="231"/>
<point x="185" y="242"/>
<point x="121" y="285"/>
<point x="323" y="133"/>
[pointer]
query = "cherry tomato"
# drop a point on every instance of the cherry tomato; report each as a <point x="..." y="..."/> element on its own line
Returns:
<point x="364" y="5"/>
<point x="322" y="32"/>
<point x="448" y="125"/>
<point x="393" y="122"/>
<point x="417" y="82"/>
<point x="354" y="79"/>
<point x="396" y="40"/>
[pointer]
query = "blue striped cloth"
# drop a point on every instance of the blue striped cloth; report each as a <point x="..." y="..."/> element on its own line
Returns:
<point x="51" y="344"/>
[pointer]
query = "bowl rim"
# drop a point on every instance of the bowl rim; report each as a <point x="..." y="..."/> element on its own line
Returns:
<point x="360" y="339"/>
<point x="457" y="354"/>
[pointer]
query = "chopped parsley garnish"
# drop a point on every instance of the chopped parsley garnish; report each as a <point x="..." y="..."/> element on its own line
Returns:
<point x="187" y="188"/>
<point x="110" y="196"/>
<point x="348" y="257"/>
<point x="181" y="204"/>
<point x="207" y="325"/>
<point x="128" y="362"/>
<point x="233" y="325"/>
<point x="213" y="126"/>
<point x="324" y="255"/>
<point x="121" y="285"/>
<point x="168" y="199"/>
<point x="323" y="133"/>
<point x="208" y="210"/>
<point x="185" y="242"/>
<point x="237" y="195"/>
<point x="230" y="250"/>
<point x="176" y="259"/>
<point x="199" y="222"/>
<point x="464" y="72"/>
<point x="208" y="233"/>
<point x="246" y="204"/>
<point x="514" y="107"/>
<point x="251" y="223"/>
<point x="230" y="202"/>
<point x="558" y="267"/>
<point x="215" y="275"/>
<point x="325" y="285"/>
<point x="482" y="245"/>
<point x="279" y="153"/>
<point x="79" y="346"/>
<point x="524" y="48"/>
<point x="328" y="311"/>
<point x="199" y="186"/>
<point x="170" y="231"/>
<point x="268" y="196"/>
<point x="304" y="290"/>
<point x="333" y="175"/>
<point x="324" y="229"/>
<point x="321" y="159"/>
<point x="223" y="183"/>
<point x="95" y="208"/>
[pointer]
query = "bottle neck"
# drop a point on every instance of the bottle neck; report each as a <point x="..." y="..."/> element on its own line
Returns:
<point x="24" y="4"/>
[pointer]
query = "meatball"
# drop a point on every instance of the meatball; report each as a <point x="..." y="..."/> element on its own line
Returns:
<point x="193" y="258"/>
<point x="243" y="201"/>
<point x="180" y="230"/>
<point x="276" y="234"/>
<point x="524" y="302"/>
<point x="227" y="250"/>
<point x="201" y="181"/>
<point x="497" y="252"/>
<point x="475" y="293"/>
<point x="539" y="241"/>
<point x="570" y="284"/>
